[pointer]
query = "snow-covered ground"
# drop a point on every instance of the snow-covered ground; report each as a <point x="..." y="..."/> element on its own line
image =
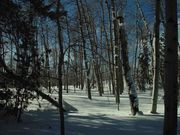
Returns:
<point x="97" y="117"/>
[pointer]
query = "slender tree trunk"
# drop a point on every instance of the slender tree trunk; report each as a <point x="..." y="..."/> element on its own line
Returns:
<point x="111" y="47"/>
<point x="56" y="58"/>
<point x="11" y="56"/>
<point x="136" y="49"/>
<point x="81" y="67"/>
<point x="142" y="15"/>
<point x="1" y="52"/>
<point x="171" y="68"/>
<point x="156" y="60"/>
<point x="127" y="70"/>
<point x="76" y="78"/>
<point x="117" y="61"/>
<point x="47" y="51"/>
<point x="69" y="50"/>
<point x="60" y="70"/>
<point x="84" y="52"/>
<point x="98" y="66"/>
<point x="90" y="26"/>
<point x="103" y="29"/>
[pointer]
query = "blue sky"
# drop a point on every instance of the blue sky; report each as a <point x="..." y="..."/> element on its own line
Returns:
<point x="131" y="7"/>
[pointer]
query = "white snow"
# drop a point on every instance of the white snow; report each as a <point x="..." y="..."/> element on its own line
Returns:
<point x="97" y="117"/>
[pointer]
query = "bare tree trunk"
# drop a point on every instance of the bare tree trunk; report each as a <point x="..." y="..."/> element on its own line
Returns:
<point x="47" y="51"/>
<point x="56" y="56"/>
<point x="98" y="66"/>
<point x="156" y="60"/>
<point x="171" y="68"/>
<point x="84" y="52"/>
<point x="142" y="15"/>
<point x="92" y="38"/>
<point x="103" y="29"/>
<point x="1" y="55"/>
<point x="69" y="50"/>
<point x="127" y="70"/>
<point x="111" y="47"/>
<point x="136" y="49"/>
<point x="60" y="69"/>
<point x="117" y="63"/>
<point x="11" y="56"/>
<point x="76" y="78"/>
<point x="90" y="26"/>
<point x="81" y="67"/>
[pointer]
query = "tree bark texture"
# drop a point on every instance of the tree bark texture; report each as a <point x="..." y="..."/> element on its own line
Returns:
<point x="156" y="60"/>
<point x="60" y="75"/>
<point x="84" y="52"/>
<point x="127" y="70"/>
<point x="171" y="68"/>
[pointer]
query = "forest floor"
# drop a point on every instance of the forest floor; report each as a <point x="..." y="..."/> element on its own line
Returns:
<point x="84" y="117"/>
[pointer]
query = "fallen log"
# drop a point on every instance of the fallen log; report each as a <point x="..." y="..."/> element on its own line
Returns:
<point x="66" y="106"/>
<point x="30" y="85"/>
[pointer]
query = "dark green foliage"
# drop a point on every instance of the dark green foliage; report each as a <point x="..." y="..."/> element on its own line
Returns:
<point x="19" y="28"/>
<point x="16" y="22"/>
